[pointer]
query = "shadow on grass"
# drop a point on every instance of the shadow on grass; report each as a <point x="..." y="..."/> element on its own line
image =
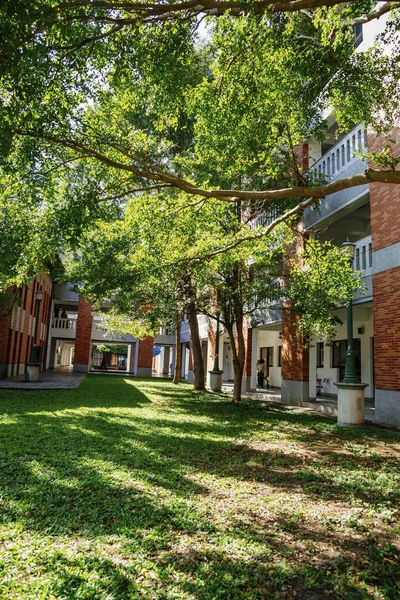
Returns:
<point x="114" y="460"/>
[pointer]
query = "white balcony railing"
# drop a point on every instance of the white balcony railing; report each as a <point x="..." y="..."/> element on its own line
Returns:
<point x="363" y="256"/>
<point x="339" y="157"/>
<point x="63" y="328"/>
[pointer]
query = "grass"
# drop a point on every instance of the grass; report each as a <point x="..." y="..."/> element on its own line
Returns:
<point x="130" y="489"/>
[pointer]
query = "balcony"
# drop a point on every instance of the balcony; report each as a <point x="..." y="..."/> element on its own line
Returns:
<point x="63" y="328"/>
<point x="340" y="162"/>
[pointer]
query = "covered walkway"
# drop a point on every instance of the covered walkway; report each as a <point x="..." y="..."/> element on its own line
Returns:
<point x="49" y="380"/>
<point x="325" y="405"/>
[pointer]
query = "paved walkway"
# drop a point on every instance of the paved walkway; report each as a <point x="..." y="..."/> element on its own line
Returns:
<point x="327" y="406"/>
<point x="49" y="380"/>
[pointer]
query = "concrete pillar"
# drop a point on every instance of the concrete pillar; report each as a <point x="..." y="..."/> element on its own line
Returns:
<point x="173" y="361"/>
<point x="167" y="361"/>
<point x="190" y="365"/>
<point x="145" y="357"/>
<point x="83" y="337"/>
<point x="131" y="362"/>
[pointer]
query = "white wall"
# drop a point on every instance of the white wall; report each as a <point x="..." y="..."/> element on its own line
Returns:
<point x="264" y="338"/>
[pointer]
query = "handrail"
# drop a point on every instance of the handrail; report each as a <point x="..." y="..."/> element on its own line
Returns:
<point x="337" y="159"/>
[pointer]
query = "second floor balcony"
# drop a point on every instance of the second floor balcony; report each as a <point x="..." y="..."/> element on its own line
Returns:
<point x="341" y="161"/>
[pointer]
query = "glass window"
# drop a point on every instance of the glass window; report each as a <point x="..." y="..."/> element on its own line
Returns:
<point x="363" y="258"/>
<point x="270" y="357"/>
<point x="339" y="356"/>
<point x="320" y="354"/>
<point x="358" y="34"/>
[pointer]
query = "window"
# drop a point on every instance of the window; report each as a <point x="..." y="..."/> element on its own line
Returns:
<point x="279" y="356"/>
<point x="363" y="258"/>
<point x="269" y="356"/>
<point x="339" y="353"/>
<point x="358" y="35"/>
<point x="339" y="356"/>
<point x="320" y="354"/>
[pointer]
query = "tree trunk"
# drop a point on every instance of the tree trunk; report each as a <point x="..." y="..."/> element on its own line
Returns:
<point x="238" y="357"/>
<point x="197" y="354"/>
<point x="178" y="352"/>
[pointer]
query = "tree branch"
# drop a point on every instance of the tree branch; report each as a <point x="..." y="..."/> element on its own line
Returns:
<point x="155" y="173"/>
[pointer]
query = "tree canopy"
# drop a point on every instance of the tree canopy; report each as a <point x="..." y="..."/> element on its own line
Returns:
<point x="193" y="105"/>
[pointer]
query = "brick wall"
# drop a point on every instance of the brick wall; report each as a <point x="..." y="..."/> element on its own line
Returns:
<point x="295" y="358"/>
<point x="385" y="231"/>
<point x="83" y="333"/>
<point x="384" y="198"/>
<point x="5" y="322"/>
<point x="17" y="328"/>
<point x="145" y="354"/>
<point x="386" y="289"/>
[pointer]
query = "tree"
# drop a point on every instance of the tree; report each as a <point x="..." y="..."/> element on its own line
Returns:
<point x="102" y="105"/>
<point x="141" y="96"/>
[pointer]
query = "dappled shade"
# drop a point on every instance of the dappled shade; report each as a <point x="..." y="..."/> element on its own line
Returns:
<point x="134" y="488"/>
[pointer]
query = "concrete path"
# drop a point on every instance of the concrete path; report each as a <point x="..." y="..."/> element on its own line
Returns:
<point x="327" y="406"/>
<point x="49" y="380"/>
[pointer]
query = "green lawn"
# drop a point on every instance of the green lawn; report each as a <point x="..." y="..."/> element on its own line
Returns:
<point x="129" y="488"/>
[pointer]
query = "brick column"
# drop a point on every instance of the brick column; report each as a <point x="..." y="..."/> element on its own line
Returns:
<point x="5" y="332"/>
<point x="295" y="362"/>
<point x="145" y="357"/>
<point x="248" y="340"/>
<point x="385" y="231"/>
<point x="295" y="370"/>
<point x="83" y="338"/>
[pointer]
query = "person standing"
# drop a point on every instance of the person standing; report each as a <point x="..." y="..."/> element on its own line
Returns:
<point x="260" y="372"/>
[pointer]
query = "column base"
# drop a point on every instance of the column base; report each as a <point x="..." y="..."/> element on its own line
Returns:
<point x="216" y="381"/>
<point x="387" y="407"/>
<point x="294" y="393"/>
<point x="32" y="372"/>
<point x="80" y="368"/>
<point x="350" y="404"/>
<point x="144" y="371"/>
<point x="246" y="384"/>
